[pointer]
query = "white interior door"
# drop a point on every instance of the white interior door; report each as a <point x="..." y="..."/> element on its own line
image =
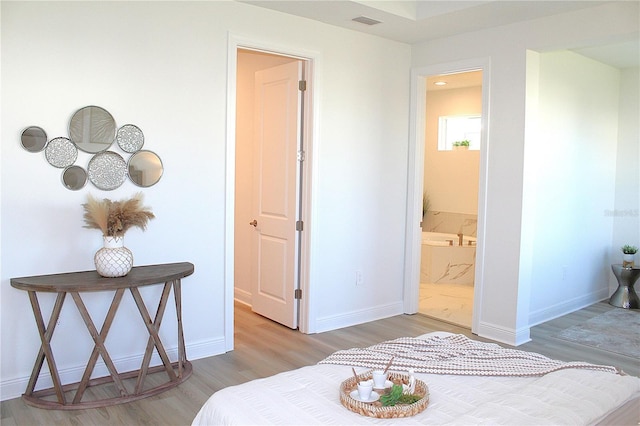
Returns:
<point x="275" y="193"/>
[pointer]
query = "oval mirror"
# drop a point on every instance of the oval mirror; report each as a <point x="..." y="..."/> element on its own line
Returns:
<point x="74" y="177"/>
<point x="130" y="138"/>
<point x="145" y="168"/>
<point x="61" y="152"/>
<point x="34" y="139"/>
<point x="92" y="129"/>
<point x="107" y="170"/>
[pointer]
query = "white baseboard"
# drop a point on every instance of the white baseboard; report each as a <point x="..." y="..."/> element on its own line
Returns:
<point x="358" y="317"/>
<point x="14" y="388"/>
<point x="242" y="296"/>
<point x="566" y="307"/>
<point x="501" y="334"/>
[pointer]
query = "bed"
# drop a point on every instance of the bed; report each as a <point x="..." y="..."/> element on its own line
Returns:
<point x="467" y="385"/>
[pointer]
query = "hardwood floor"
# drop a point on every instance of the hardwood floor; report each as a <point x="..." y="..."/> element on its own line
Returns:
<point x="264" y="348"/>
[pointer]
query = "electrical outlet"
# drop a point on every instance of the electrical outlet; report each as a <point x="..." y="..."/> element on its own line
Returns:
<point x="359" y="278"/>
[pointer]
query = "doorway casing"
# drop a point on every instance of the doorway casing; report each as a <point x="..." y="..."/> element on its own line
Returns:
<point x="310" y="60"/>
<point x="415" y="181"/>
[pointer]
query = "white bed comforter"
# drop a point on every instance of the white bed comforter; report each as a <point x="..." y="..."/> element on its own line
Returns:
<point x="310" y="396"/>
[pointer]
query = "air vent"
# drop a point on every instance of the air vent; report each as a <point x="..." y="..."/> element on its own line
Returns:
<point x="366" y="21"/>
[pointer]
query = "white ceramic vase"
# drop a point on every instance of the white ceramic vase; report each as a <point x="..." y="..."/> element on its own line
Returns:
<point x="627" y="260"/>
<point x="114" y="259"/>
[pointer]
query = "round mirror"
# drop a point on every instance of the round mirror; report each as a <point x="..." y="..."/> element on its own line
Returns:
<point x="34" y="139"/>
<point x="107" y="170"/>
<point x="74" y="177"/>
<point x="130" y="138"/>
<point x="61" y="152"/>
<point x="92" y="129"/>
<point x="145" y="168"/>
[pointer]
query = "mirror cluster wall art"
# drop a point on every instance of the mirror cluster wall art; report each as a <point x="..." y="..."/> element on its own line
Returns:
<point x="93" y="130"/>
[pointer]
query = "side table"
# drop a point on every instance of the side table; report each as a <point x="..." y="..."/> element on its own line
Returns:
<point x="625" y="296"/>
<point x="76" y="284"/>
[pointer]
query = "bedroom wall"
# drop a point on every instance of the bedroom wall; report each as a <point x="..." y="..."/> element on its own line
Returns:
<point x="162" y="66"/>
<point x="505" y="294"/>
<point x="626" y="212"/>
<point x="571" y="164"/>
<point x="451" y="177"/>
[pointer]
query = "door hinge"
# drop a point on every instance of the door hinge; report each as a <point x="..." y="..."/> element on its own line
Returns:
<point x="302" y="85"/>
<point x="297" y="294"/>
<point x="299" y="225"/>
<point x="301" y="155"/>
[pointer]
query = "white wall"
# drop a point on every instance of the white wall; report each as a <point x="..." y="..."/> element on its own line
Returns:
<point x="626" y="211"/>
<point x="571" y="164"/>
<point x="504" y="314"/>
<point x="162" y="66"/>
<point x="451" y="177"/>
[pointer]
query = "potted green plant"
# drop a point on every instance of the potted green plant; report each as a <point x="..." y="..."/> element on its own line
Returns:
<point x="464" y="144"/>
<point x="628" y="254"/>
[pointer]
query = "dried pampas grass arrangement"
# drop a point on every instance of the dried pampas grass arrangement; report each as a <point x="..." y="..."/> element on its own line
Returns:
<point x="114" y="218"/>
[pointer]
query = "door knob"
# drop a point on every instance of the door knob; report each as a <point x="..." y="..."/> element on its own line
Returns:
<point x="254" y="223"/>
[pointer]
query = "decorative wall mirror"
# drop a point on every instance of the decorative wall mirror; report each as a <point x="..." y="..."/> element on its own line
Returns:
<point x="92" y="129"/>
<point x="34" y="139"/>
<point x="107" y="170"/>
<point x="130" y="138"/>
<point x="74" y="178"/>
<point x="145" y="168"/>
<point x="61" y="152"/>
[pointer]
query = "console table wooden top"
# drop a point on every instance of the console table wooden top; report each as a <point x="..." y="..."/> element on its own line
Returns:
<point x="92" y="281"/>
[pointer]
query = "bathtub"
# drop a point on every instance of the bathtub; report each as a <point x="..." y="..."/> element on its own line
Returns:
<point x="444" y="261"/>
<point x="441" y="239"/>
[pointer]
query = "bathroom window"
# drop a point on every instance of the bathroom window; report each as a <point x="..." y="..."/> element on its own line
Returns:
<point x="453" y="128"/>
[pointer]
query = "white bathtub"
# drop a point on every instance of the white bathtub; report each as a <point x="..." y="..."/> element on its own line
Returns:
<point x="441" y="239"/>
<point x="445" y="261"/>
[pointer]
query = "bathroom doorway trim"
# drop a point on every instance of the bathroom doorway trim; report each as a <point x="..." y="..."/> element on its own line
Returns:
<point x="416" y="175"/>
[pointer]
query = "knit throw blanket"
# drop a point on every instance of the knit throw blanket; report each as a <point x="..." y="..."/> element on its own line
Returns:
<point x="454" y="354"/>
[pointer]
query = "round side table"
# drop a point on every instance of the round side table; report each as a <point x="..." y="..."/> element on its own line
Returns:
<point x="625" y="296"/>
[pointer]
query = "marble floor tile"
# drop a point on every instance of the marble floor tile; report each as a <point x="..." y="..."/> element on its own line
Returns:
<point x="452" y="303"/>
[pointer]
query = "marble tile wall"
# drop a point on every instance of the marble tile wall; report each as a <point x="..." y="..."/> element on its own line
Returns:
<point x="447" y="265"/>
<point x="451" y="223"/>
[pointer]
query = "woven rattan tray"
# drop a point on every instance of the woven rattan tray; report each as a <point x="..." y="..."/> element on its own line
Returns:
<point x="376" y="409"/>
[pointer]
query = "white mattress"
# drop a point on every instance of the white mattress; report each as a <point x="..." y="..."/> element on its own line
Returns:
<point x="310" y="395"/>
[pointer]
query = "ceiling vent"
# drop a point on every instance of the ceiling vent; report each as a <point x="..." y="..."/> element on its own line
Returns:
<point x="366" y="21"/>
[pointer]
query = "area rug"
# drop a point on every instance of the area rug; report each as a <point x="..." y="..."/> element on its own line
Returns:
<point x="614" y="331"/>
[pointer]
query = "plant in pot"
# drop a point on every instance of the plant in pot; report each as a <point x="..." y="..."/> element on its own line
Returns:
<point x="461" y="144"/>
<point x="628" y="254"/>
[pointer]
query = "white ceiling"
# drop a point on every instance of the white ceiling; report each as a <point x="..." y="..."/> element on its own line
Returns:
<point x="413" y="21"/>
<point x="454" y="81"/>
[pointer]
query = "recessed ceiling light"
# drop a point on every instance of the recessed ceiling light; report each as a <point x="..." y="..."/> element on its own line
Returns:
<point x="366" y="21"/>
<point x="440" y="83"/>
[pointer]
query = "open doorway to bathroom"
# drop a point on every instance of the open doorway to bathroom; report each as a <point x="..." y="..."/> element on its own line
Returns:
<point x="453" y="117"/>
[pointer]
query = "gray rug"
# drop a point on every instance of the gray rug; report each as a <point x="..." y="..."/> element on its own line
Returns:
<point x="617" y="330"/>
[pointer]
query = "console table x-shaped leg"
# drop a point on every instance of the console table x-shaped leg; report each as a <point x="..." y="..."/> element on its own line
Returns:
<point x="153" y="326"/>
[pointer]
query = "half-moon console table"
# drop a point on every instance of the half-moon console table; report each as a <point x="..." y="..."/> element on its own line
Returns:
<point x="77" y="283"/>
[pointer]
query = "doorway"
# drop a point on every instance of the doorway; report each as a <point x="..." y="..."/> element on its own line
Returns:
<point x="246" y="62"/>
<point x="415" y="205"/>
<point x="452" y="135"/>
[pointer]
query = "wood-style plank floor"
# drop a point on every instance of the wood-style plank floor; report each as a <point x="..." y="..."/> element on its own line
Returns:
<point x="264" y="348"/>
